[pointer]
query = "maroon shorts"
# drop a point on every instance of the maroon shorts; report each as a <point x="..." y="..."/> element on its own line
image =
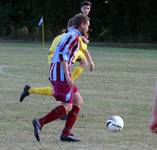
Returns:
<point x="63" y="92"/>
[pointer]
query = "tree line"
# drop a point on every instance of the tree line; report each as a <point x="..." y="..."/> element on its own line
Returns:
<point x="111" y="20"/>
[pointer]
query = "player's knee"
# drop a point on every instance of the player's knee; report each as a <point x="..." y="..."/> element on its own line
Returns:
<point x="67" y="106"/>
<point x="79" y="103"/>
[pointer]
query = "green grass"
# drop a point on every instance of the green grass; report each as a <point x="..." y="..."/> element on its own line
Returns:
<point x="121" y="84"/>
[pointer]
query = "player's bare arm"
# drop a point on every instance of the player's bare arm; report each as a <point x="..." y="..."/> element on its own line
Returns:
<point x="67" y="74"/>
<point x="90" y="61"/>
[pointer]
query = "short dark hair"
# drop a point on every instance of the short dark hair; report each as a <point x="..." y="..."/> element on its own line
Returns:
<point x="86" y="3"/>
<point x="79" y="19"/>
<point x="70" y="22"/>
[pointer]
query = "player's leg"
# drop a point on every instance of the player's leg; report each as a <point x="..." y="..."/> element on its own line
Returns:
<point x="65" y="96"/>
<point x="79" y="69"/>
<point x="48" y="91"/>
<point x="53" y="115"/>
<point x="56" y="113"/>
<point x="72" y="117"/>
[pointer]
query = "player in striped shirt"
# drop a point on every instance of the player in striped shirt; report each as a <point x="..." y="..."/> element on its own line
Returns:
<point x="65" y="90"/>
<point x="83" y="56"/>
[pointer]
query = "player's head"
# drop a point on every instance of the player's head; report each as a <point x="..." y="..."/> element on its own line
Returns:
<point x="85" y="7"/>
<point x="81" y="22"/>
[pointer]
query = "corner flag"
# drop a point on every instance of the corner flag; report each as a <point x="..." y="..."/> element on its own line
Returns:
<point x="41" y="23"/>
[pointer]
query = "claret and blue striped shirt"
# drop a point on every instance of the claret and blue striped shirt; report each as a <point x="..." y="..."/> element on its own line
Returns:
<point x="65" y="51"/>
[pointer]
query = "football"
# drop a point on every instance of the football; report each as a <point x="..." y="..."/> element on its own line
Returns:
<point x="115" y="124"/>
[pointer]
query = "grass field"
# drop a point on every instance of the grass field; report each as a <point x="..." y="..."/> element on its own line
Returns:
<point x="121" y="84"/>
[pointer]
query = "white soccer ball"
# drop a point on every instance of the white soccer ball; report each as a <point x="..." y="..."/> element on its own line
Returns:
<point x="115" y="124"/>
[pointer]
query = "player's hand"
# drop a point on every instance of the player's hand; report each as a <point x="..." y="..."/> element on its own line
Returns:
<point x="153" y="125"/>
<point x="91" y="66"/>
<point x="84" y="39"/>
<point x="70" y="81"/>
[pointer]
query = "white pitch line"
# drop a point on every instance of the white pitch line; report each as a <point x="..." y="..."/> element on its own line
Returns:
<point x="2" y="72"/>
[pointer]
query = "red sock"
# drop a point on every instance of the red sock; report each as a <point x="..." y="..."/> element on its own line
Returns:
<point x="53" y="115"/>
<point x="72" y="116"/>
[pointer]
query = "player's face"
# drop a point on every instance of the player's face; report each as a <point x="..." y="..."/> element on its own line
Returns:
<point x="85" y="10"/>
<point x="85" y="27"/>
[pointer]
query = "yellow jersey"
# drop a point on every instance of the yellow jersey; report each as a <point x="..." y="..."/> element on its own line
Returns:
<point x="53" y="46"/>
